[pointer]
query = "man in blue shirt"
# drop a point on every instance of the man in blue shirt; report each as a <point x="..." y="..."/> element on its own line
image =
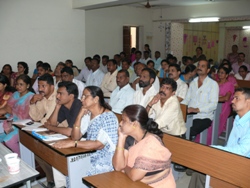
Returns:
<point x="239" y="139"/>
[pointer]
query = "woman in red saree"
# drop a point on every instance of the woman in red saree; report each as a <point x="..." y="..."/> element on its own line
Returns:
<point x="140" y="152"/>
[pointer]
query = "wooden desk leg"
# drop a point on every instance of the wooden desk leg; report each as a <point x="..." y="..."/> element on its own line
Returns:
<point x="28" y="184"/>
<point x="216" y="124"/>
<point x="78" y="166"/>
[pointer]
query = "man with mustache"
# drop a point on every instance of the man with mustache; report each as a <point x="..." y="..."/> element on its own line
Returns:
<point x="123" y="94"/>
<point x="165" y="109"/>
<point x="202" y="98"/>
<point x="146" y="90"/>
<point x="41" y="107"/>
<point x="174" y="73"/>
<point x="239" y="138"/>
<point x="41" y="69"/>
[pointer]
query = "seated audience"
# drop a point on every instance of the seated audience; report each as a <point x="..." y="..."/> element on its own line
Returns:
<point x="101" y="126"/>
<point x="151" y="65"/>
<point x="138" y="58"/>
<point x="233" y="56"/>
<point x="146" y="57"/>
<point x="7" y="71"/>
<point x="165" y="109"/>
<point x="241" y="61"/>
<point x="199" y="55"/>
<point x="104" y="63"/>
<point x="35" y="72"/>
<point x="17" y="108"/>
<point x="41" y="70"/>
<point x="96" y="76"/>
<point x="182" y="87"/>
<point x="22" y="68"/>
<point x="69" y="63"/>
<point x="68" y="76"/>
<point x="239" y="138"/>
<point x="132" y="54"/>
<point x="189" y="74"/>
<point x="126" y="66"/>
<point x="243" y="73"/>
<point x="109" y="80"/>
<point x="202" y="98"/>
<point x="118" y="60"/>
<point x="67" y="108"/>
<point x="146" y="90"/>
<point x="57" y="73"/>
<point x="163" y="73"/>
<point x="123" y="94"/>
<point x="138" y="69"/>
<point x="123" y="56"/>
<point x="157" y="60"/>
<point x="85" y="72"/>
<point x="140" y="152"/>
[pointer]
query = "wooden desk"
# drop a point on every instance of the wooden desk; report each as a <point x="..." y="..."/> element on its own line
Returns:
<point x="221" y="165"/>
<point x="112" y="180"/>
<point x="25" y="175"/>
<point x="3" y="118"/>
<point x="72" y="162"/>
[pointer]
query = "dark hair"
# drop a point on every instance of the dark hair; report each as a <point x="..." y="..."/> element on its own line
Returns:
<point x="200" y="48"/>
<point x="113" y="61"/>
<point x="243" y="67"/>
<point x="71" y="88"/>
<point x="25" y="66"/>
<point x="151" y="61"/>
<point x="146" y="45"/>
<point x="190" y="68"/>
<point x="97" y="57"/>
<point x="226" y="63"/>
<point x="164" y="60"/>
<point x="68" y="70"/>
<point x="124" y="71"/>
<point x="178" y="68"/>
<point x="241" y="53"/>
<point x="213" y="70"/>
<point x="7" y="65"/>
<point x="139" y="113"/>
<point x="38" y="62"/>
<point x="105" y="57"/>
<point x="26" y="79"/>
<point x="61" y="63"/>
<point x="123" y="53"/>
<point x="136" y="63"/>
<point x="146" y="52"/>
<point x="47" y="78"/>
<point x="138" y="52"/>
<point x="133" y="50"/>
<point x="158" y="52"/>
<point x="225" y="69"/>
<point x="45" y="66"/>
<point x="245" y="91"/>
<point x="235" y="45"/>
<point x="69" y="61"/>
<point x="88" y="58"/>
<point x="97" y="92"/>
<point x="4" y="80"/>
<point x="169" y="81"/>
<point x="151" y="72"/>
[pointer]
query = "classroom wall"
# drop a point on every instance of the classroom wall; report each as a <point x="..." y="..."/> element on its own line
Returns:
<point x="104" y="28"/>
<point x="32" y="30"/>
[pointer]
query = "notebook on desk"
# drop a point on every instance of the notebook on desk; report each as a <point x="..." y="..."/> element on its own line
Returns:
<point x="49" y="136"/>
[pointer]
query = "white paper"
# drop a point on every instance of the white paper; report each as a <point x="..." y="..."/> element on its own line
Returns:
<point x="22" y="122"/>
<point x="35" y="126"/>
<point x="54" y="137"/>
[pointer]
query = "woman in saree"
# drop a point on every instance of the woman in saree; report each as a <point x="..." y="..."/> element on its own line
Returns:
<point x="17" y="108"/>
<point x="140" y="152"/>
<point x="22" y="68"/>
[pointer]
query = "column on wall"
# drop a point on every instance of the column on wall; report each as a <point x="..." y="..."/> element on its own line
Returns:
<point x="177" y="32"/>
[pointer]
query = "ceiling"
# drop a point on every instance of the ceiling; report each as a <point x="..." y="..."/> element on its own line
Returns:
<point x="90" y="4"/>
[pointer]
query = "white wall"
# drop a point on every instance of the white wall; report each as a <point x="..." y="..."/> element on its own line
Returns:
<point x="47" y="30"/>
<point x="104" y="28"/>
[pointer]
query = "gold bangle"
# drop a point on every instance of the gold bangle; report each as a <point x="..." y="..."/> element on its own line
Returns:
<point x="76" y="144"/>
<point x="119" y="148"/>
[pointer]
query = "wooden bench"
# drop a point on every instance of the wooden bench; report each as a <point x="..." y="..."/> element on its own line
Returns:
<point x="243" y="83"/>
<point x="226" y="169"/>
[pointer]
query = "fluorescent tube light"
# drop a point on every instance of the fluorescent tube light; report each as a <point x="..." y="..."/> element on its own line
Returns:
<point x="212" y="19"/>
<point x="246" y="27"/>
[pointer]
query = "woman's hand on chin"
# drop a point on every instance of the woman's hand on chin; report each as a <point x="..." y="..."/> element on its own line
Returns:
<point x="121" y="134"/>
<point x="64" y="144"/>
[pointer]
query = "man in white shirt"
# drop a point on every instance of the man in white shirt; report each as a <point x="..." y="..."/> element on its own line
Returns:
<point x="174" y="73"/>
<point x="138" y="58"/>
<point x="146" y="90"/>
<point x="96" y="76"/>
<point x="103" y="65"/>
<point x="117" y="57"/>
<point x="202" y="98"/>
<point x="85" y="72"/>
<point x="126" y="66"/>
<point x="109" y="80"/>
<point x="165" y="109"/>
<point x="146" y="57"/>
<point x="243" y="73"/>
<point x="241" y="61"/>
<point x="68" y="75"/>
<point x="41" y="69"/>
<point x="157" y="60"/>
<point x="123" y="94"/>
